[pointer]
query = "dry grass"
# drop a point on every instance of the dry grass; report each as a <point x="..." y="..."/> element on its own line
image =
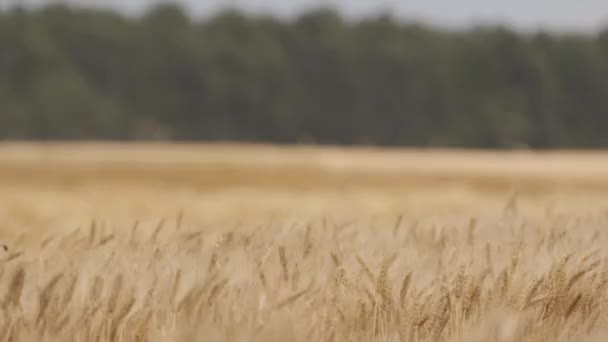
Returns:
<point x="115" y="259"/>
<point x="298" y="168"/>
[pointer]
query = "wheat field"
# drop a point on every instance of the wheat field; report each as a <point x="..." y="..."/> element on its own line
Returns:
<point x="259" y="243"/>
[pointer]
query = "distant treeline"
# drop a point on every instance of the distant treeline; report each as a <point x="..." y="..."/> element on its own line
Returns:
<point x="70" y="73"/>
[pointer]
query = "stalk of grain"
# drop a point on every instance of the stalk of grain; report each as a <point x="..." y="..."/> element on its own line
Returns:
<point x="133" y="233"/>
<point x="530" y="292"/>
<point x="489" y="259"/>
<point x="295" y="278"/>
<point x="442" y="314"/>
<point x="190" y="302"/>
<point x="115" y="292"/>
<point x="175" y="287"/>
<point x="362" y="315"/>
<point x="120" y="316"/>
<point x="284" y="264"/>
<point x="397" y="225"/>
<point x="212" y="263"/>
<point x="366" y="270"/>
<point x="15" y="289"/>
<point x="89" y="315"/>
<point x="290" y="299"/>
<point x="471" y="231"/>
<point x="191" y="295"/>
<point x="46" y="242"/>
<point x="13" y="256"/>
<point x="573" y="306"/>
<point x="383" y="287"/>
<point x="192" y="236"/>
<point x="471" y="298"/>
<point x="105" y="240"/>
<point x="262" y="277"/>
<point x="215" y="291"/>
<point x="45" y="296"/>
<point x="458" y="282"/>
<point x="578" y="275"/>
<point x="62" y="322"/>
<point x="92" y="233"/>
<point x="405" y="286"/>
<point x="69" y="293"/>
<point x="96" y="289"/>
<point x="341" y="273"/>
<point x="557" y="287"/>
<point x="140" y="327"/>
<point x="307" y="242"/>
<point x="157" y="230"/>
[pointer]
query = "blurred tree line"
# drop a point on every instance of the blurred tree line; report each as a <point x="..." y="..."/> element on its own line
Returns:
<point x="70" y="73"/>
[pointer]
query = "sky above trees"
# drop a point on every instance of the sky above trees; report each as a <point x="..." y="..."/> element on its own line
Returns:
<point x="560" y="15"/>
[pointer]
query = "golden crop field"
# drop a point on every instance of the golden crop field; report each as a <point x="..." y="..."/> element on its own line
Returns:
<point x="260" y="243"/>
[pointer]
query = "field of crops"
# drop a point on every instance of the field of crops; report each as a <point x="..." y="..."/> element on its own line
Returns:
<point x="232" y="243"/>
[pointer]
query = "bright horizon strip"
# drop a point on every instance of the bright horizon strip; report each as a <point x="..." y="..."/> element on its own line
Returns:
<point x="553" y="15"/>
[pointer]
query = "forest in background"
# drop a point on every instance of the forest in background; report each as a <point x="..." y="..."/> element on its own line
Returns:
<point x="91" y="74"/>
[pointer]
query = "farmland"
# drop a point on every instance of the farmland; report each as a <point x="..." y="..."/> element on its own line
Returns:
<point x="153" y="242"/>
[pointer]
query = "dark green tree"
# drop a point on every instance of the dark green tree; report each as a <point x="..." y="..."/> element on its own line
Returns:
<point x="70" y="73"/>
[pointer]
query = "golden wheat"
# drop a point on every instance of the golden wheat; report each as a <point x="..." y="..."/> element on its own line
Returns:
<point x="119" y="260"/>
<point x="558" y="294"/>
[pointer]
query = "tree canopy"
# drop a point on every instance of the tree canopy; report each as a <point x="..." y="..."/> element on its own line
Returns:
<point x="71" y="74"/>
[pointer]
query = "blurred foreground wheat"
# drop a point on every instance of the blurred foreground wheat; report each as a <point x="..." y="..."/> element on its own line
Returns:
<point x="503" y="277"/>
